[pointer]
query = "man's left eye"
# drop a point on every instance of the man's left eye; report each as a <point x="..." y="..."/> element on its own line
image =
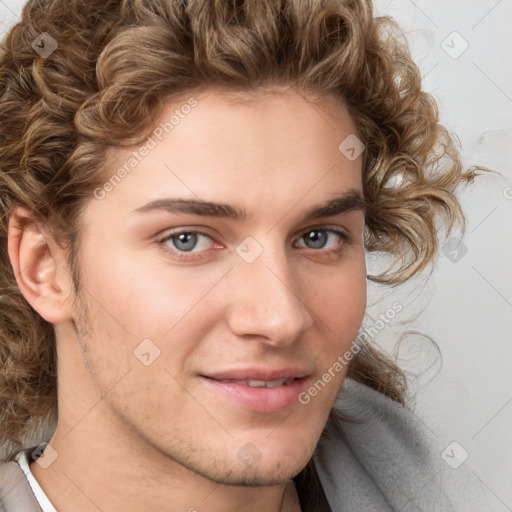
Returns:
<point x="319" y="237"/>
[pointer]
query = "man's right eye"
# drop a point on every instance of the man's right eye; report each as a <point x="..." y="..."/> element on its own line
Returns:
<point x="183" y="241"/>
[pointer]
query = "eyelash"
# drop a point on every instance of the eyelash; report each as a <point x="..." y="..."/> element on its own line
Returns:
<point x="185" y="256"/>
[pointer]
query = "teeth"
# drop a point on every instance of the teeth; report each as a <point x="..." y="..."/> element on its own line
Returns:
<point x="256" y="383"/>
<point x="275" y="383"/>
<point x="261" y="383"/>
<point x="264" y="383"/>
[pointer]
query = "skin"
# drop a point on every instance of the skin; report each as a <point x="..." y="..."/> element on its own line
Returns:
<point x="134" y="437"/>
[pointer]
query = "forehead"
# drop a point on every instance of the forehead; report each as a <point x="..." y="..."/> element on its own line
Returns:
<point x="277" y="144"/>
<point x="330" y="107"/>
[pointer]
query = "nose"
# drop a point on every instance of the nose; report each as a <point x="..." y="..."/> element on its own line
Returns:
<point x="265" y="300"/>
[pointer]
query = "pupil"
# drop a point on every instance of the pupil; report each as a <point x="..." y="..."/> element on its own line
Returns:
<point x="317" y="237"/>
<point x="190" y="237"/>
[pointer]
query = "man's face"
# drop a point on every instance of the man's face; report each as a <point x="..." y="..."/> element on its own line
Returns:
<point x="202" y="343"/>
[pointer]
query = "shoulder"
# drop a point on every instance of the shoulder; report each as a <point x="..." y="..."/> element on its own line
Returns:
<point x="377" y="455"/>
<point x="15" y="491"/>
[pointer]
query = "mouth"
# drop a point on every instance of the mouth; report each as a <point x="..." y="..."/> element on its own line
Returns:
<point x="265" y="395"/>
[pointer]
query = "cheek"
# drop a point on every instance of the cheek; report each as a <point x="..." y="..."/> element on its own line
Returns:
<point x="342" y="303"/>
<point x="341" y="309"/>
<point x="144" y="294"/>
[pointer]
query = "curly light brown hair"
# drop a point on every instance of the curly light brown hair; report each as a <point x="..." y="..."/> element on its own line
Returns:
<point x="119" y="61"/>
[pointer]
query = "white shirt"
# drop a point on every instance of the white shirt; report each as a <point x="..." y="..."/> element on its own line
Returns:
<point x="42" y="499"/>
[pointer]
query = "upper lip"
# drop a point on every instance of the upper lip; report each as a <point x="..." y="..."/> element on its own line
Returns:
<point x="258" y="373"/>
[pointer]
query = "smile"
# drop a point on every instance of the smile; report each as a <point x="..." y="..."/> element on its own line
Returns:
<point x="264" y="396"/>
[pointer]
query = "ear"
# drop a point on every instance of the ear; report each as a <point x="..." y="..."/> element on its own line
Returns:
<point x="40" y="267"/>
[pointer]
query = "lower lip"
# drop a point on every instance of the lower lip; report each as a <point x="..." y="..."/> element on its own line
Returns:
<point x="260" y="399"/>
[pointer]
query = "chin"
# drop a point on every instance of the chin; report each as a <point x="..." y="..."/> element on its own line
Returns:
<point x="274" y="462"/>
<point x="275" y="472"/>
<point x="252" y="463"/>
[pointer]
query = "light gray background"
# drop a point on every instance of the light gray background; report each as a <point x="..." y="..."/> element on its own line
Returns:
<point x="466" y="306"/>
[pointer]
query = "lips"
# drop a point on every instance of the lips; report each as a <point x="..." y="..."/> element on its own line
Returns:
<point x="258" y="389"/>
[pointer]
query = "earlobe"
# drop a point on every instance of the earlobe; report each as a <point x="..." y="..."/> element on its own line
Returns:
<point x="38" y="265"/>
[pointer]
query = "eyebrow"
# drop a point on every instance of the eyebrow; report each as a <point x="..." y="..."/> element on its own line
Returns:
<point x="341" y="203"/>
